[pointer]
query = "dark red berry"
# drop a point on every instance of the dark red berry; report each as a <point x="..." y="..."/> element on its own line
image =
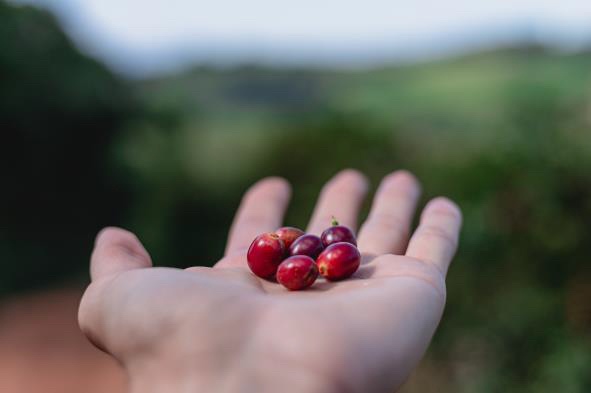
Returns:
<point x="309" y="245"/>
<point x="336" y="234"/>
<point x="288" y="235"/>
<point x="338" y="261"/>
<point x="265" y="254"/>
<point x="297" y="272"/>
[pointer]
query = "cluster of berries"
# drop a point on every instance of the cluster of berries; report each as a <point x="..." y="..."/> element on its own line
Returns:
<point x="296" y="259"/>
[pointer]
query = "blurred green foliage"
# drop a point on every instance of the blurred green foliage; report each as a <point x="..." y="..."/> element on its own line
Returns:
<point x="59" y="112"/>
<point x="506" y="133"/>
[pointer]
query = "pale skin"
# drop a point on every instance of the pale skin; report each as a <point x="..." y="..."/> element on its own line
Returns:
<point x="222" y="329"/>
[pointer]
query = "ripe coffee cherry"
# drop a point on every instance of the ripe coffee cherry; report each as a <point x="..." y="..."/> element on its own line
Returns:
<point x="337" y="233"/>
<point x="265" y="254"/>
<point x="338" y="261"/>
<point x="297" y="272"/>
<point x="309" y="245"/>
<point x="288" y="235"/>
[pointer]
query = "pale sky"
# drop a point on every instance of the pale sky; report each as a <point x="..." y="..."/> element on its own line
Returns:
<point x="144" y="37"/>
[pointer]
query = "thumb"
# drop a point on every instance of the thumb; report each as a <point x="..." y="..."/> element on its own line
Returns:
<point x="117" y="250"/>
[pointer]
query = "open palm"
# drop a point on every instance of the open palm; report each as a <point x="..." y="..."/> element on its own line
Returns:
<point x="222" y="329"/>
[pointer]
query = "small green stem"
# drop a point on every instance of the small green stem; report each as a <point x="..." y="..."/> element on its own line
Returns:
<point x="334" y="221"/>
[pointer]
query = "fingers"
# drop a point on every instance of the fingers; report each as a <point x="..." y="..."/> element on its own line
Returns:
<point x="261" y="210"/>
<point x="387" y="227"/>
<point x="436" y="239"/>
<point x="117" y="250"/>
<point x="341" y="198"/>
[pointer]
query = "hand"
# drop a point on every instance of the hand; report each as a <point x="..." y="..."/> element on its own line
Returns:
<point x="222" y="329"/>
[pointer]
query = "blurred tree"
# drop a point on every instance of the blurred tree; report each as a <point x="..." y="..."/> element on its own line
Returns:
<point x="59" y="111"/>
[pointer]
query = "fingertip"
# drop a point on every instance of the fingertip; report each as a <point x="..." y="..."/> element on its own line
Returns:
<point x="119" y="237"/>
<point x="404" y="176"/>
<point x="443" y="205"/>
<point x="117" y="249"/>
<point x="402" y="179"/>
<point x="101" y="233"/>
<point x="112" y="233"/>
<point x="351" y="177"/>
<point x="274" y="181"/>
<point x="273" y="184"/>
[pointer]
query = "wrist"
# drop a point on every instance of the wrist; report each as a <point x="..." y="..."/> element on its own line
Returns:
<point x="246" y="375"/>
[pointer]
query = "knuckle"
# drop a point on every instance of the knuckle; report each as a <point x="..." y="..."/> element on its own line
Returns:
<point x="393" y="265"/>
<point x="393" y="193"/>
<point x="436" y="233"/>
<point x="389" y="223"/>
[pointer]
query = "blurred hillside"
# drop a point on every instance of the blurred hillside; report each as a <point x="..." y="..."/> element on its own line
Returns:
<point x="506" y="133"/>
<point x="514" y="112"/>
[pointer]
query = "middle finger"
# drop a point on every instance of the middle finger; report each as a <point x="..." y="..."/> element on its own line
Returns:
<point x="341" y="198"/>
<point x="387" y="227"/>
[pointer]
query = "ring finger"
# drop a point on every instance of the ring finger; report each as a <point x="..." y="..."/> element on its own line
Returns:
<point x="387" y="227"/>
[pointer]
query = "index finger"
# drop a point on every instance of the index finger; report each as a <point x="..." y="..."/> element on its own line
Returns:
<point x="340" y="198"/>
<point x="261" y="210"/>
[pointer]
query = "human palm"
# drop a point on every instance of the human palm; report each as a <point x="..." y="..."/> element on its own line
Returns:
<point x="222" y="329"/>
